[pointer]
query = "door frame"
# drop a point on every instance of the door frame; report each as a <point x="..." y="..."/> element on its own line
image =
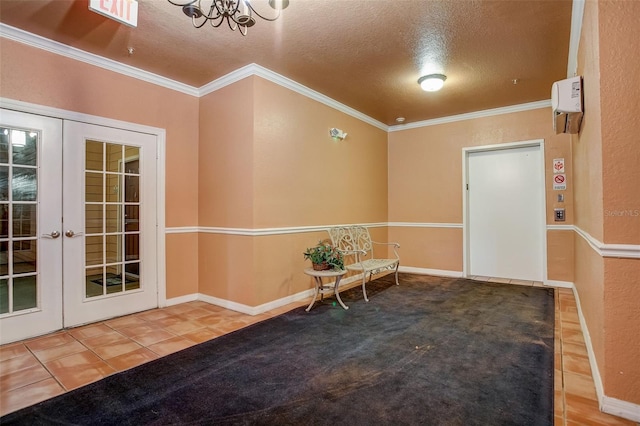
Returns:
<point x="160" y="135"/>
<point x="466" y="249"/>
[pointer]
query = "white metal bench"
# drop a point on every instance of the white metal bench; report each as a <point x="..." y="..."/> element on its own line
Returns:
<point x="356" y="240"/>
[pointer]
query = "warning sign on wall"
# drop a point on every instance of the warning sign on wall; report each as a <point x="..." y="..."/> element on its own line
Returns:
<point x="560" y="181"/>
<point x="558" y="165"/>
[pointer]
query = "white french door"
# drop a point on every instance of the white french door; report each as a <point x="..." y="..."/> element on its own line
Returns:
<point x="78" y="224"/>
<point x="109" y="209"/>
<point x="30" y="225"/>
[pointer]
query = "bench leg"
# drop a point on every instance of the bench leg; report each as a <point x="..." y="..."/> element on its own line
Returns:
<point x="397" y="266"/>
<point x="364" y="290"/>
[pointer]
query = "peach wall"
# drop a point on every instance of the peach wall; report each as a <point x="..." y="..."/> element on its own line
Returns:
<point x="588" y="281"/>
<point x="560" y="254"/>
<point x="302" y="176"/>
<point x="425" y="180"/>
<point x="182" y="264"/>
<point x="267" y="161"/>
<point x="429" y="248"/>
<point x="621" y="372"/>
<point x="226" y="156"/>
<point x="621" y="177"/>
<point x="620" y="104"/>
<point x="36" y="76"/>
<point x="587" y="146"/>
<point x="607" y="202"/>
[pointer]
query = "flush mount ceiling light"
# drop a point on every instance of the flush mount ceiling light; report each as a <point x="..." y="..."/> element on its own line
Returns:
<point x="237" y="13"/>
<point x="432" y="82"/>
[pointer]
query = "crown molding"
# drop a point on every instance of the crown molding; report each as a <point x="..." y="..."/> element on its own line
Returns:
<point x="472" y="115"/>
<point x="33" y="40"/>
<point x="259" y="71"/>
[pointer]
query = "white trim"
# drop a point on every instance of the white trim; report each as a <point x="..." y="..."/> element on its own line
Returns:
<point x="620" y="408"/>
<point x="257" y="232"/>
<point x="39" y="42"/>
<point x="577" y="12"/>
<point x="182" y="299"/>
<point x="465" y="195"/>
<point x="559" y="284"/>
<point x="182" y="229"/>
<point x="595" y="372"/>
<point x="257" y="70"/>
<point x="265" y="307"/>
<point x="472" y="115"/>
<point x="161" y="136"/>
<point x="424" y="225"/>
<point x="553" y="227"/>
<point x="625" y="251"/>
<point x="425" y="271"/>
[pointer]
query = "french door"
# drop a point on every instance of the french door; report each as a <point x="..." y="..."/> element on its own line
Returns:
<point x="78" y="240"/>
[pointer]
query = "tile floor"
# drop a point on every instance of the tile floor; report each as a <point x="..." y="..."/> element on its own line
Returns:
<point x="40" y="368"/>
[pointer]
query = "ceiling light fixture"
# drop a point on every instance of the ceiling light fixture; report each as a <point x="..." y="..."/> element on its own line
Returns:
<point x="237" y="13"/>
<point x="432" y="82"/>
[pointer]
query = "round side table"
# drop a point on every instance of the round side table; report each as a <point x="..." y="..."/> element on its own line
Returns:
<point x="321" y="288"/>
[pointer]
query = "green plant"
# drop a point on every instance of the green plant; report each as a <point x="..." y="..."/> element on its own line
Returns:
<point x="324" y="252"/>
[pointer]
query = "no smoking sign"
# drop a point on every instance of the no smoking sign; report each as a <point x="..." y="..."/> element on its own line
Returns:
<point x="560" y="182"/>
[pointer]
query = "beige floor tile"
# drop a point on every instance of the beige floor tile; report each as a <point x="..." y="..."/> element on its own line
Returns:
<point x="25" y="396"/>
<point x="12" y="350"/>
<point x="55" y="352"/>
<point x="79" y="369"/>
<point x="202" y="335"/>
<point x="575" y="349"/>
<point x="11" y="365"/>
<point x="210" y="320"/>
<point x="24" y="377"/>
<point x="521" y="282"/>
<point x="576" y="364"/>
<point x="93" y="330"/>
<point x="105" y="339"/>
<point x="50" y="341"/>
<point x="170" y="346"/>
<point x="499" y="280"/>
<point x="132" y="359"/>
<point x="182" y="327"/>
<point x="152" y="337"/>
<point x="195" y="313"/>
<point x="579" y="385"/>
<point x="585" y="412"/>
<point x="125" y="322"/>
<point x="111" y="350"/>
<point x="138" y="329"/>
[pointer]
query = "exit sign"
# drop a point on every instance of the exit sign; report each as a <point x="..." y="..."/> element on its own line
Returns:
<point x="125" y="11"/>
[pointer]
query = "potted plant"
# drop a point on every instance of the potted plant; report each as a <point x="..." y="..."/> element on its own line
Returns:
<point x="324" y="256"/>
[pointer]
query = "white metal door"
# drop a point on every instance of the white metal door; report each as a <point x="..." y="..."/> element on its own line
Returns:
<point x="506" y="213"/>
<point x="110" y="222"/>
<point x="30" y="225"/>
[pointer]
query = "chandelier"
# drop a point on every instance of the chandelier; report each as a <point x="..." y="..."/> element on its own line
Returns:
<point x="237" y="13"/>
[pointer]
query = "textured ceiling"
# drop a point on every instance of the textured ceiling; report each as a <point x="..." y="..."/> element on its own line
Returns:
<point x="366" y="54"/>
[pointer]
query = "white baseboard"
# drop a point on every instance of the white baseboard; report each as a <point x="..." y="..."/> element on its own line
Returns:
<point x="425" y="271"/>
<point x="182" y="299"/>
<point x="607" y="404"/>
<point x="617" y="407"/>
<point x="560" y="284"/>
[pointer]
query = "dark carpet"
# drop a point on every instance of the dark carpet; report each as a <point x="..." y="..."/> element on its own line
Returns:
<point x="432" y="351"/>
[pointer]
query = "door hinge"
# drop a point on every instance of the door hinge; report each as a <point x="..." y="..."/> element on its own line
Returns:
<point x="467" y="187"/>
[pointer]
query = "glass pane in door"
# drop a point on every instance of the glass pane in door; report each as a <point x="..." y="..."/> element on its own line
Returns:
<point x="112" y="205"/>
<point x="18" y="220"/>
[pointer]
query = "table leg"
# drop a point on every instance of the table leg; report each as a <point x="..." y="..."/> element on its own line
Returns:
<point x="318" y="283"/>
<point x="337" y="293"/>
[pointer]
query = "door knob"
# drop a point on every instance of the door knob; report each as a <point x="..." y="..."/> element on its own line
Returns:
<point x="52" y="235"/>
<point x="72" y="234"/>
